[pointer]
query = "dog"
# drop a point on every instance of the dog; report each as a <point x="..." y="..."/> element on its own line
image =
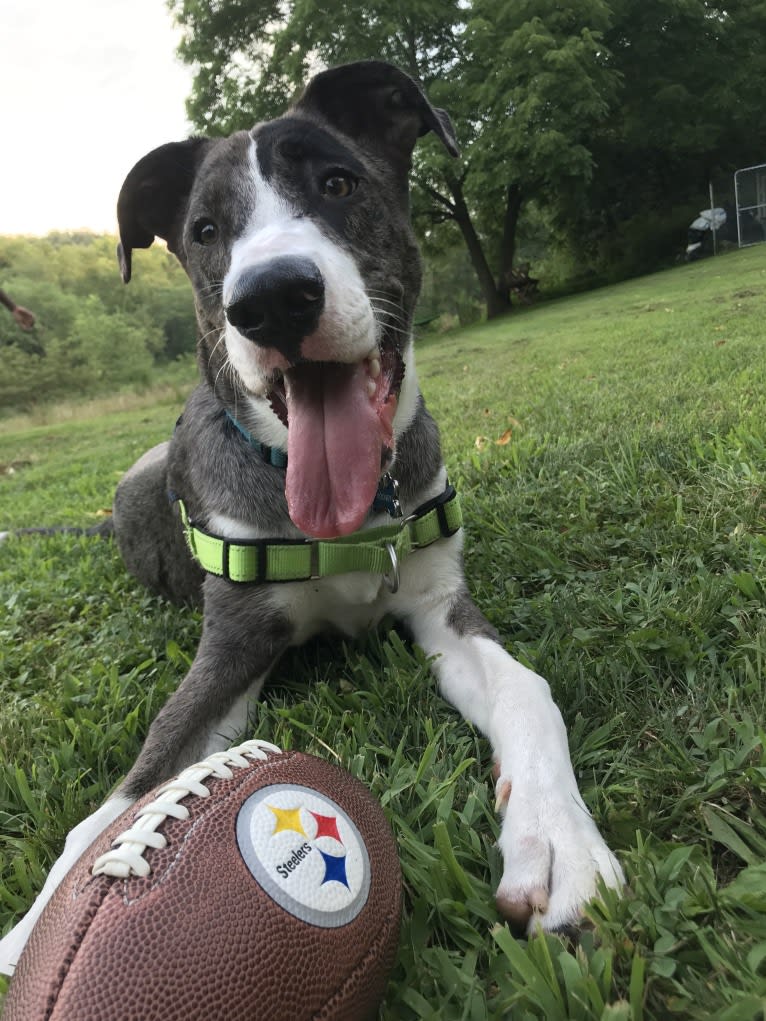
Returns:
<point x="303" y="488"/>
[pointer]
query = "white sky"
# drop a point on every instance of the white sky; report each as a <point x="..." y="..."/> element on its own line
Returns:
<point x="87" y="87"/>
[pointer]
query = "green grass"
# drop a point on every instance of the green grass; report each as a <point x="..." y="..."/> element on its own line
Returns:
<point x="616" y="537"/>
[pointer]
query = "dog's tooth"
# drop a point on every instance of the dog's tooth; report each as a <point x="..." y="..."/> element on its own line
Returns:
<point x="371" y="388"/>
<point x="374" y="367"/>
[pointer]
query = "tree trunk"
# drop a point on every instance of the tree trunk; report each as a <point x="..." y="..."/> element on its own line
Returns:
<point x="508" y="244"/>
<point x="497" y="302"/>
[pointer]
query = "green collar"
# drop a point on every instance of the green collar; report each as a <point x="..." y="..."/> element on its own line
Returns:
<point x="374" y="550"/>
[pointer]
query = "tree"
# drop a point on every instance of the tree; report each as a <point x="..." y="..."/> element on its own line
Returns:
<point x="92" y="334"/>
<point x="689" y="109"/>
<point x="524" y="83"/>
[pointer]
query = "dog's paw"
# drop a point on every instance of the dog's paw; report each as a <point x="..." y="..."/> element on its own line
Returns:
<point x="552" y="855"/>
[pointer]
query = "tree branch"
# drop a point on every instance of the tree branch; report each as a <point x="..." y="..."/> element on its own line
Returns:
<point x="438" y="197"/>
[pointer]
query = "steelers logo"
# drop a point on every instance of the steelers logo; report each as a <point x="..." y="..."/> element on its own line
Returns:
<point x="306" y="853"/>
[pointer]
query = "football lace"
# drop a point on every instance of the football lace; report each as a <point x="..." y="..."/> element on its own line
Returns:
<point x="126" y="857"/>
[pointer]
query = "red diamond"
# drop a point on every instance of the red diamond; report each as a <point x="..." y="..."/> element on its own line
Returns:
<point x="327" y="826"/>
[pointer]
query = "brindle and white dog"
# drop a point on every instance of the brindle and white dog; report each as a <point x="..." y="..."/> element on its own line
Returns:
<point x="305" y="270"/>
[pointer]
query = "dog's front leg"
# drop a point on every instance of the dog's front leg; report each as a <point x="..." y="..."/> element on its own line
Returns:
<point x="243" y="636"/>
<point x="552" y="850"/>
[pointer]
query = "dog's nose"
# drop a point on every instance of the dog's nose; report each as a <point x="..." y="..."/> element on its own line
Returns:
<point x="277" y="303"/>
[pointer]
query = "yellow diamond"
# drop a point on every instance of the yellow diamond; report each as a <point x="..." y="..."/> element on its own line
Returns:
<point x="288" y="819"/>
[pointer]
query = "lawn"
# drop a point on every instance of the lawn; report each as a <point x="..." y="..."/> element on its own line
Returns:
<point x="610" y="451"/>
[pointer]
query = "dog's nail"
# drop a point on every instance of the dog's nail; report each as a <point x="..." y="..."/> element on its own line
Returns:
<point x="502" y="794"/>
<point x="374" y="367"/>
<point x="495" y="770"/>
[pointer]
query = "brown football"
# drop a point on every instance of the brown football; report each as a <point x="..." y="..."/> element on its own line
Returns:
<point x="258" y="885"/>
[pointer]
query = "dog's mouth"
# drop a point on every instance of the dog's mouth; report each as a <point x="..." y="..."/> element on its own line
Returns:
<point x="340" y="420"/>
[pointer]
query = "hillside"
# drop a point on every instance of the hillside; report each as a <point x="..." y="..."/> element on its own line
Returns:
<point x="610" y="451"/>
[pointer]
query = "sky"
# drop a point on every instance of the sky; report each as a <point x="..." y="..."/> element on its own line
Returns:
<point x="87" y="87"/>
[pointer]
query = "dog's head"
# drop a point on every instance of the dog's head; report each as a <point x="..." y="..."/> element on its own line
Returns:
<point x="297" y="240"/>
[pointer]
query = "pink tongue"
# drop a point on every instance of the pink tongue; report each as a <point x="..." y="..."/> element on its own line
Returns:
<point x="335" y="436"/>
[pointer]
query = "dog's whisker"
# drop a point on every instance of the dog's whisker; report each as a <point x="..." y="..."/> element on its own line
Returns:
<point x="212" y="289"/>
<point x="225" y="364"/>
<point x="376" y="300"/>
<point x="388" y="315"/>
<point x="393" y="312"/>
<point x="217" y="344"/>
<point x="384" y="315"/>
<point x="392" y="326"/>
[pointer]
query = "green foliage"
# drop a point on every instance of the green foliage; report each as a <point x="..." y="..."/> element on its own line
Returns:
<point x="688" y="111"/>
<point x="611" y="116"/>
<point x="610" y="452"/>
<point x="92" y="334"/>
<point x="523" y="130"/>
<point x="540" y="83"/>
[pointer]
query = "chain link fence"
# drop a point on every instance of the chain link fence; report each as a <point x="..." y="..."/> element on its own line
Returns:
<point x="750" y="199"/>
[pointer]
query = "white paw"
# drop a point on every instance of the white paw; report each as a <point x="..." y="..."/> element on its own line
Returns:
<point x="11" y="947"/>
<point x="552" y="856"/>
<point x="78" y="841"/>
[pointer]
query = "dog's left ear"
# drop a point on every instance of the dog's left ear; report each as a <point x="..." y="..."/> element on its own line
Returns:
<point x="153" y="198"/>
<point x="378" y="105"/>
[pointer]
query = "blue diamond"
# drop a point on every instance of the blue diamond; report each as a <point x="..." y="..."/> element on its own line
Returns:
<point x="335" y="869"/>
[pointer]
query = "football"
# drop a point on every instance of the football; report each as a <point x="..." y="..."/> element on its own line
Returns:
<point x="258" y="885"/>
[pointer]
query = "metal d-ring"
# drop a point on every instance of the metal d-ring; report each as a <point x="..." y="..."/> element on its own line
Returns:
<point x="392" y="578"/>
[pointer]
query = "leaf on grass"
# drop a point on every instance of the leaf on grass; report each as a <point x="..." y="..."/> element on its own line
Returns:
<point x="746" y="584"/>
<point x="620" y="1011"/>
<point x="504" y="439"/>
<point x="451" y="865"/>
<point x="757" y="956"/>
<point x="528" y="975"/>
<point x="723" y="833"/>
<point x="637" y="982"/>
<point x="25" y="792"/>
<point x="746" y="1009"/>
<point x="749" y="888"/>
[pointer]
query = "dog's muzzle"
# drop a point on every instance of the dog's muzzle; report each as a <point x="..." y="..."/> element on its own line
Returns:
<point x="278" y="303"/>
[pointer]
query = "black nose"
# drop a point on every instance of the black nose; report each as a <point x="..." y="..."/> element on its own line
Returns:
<point x="278" y="303"/>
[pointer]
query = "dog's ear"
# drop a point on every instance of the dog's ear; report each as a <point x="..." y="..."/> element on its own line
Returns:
<point x="378" y="105"/>
<point x="153" y="198"/>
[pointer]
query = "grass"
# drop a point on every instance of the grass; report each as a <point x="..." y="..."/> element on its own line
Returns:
<point x="610" y="450"/>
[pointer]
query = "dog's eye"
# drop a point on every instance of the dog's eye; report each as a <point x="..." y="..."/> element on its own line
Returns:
<point x="339" y="186"/>
<point x="205" y="232"/>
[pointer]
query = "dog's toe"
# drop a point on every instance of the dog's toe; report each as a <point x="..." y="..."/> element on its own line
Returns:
<point x="521" y="908"/>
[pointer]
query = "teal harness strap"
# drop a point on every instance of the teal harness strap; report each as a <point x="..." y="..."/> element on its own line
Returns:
<point x="374" y="551"/>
